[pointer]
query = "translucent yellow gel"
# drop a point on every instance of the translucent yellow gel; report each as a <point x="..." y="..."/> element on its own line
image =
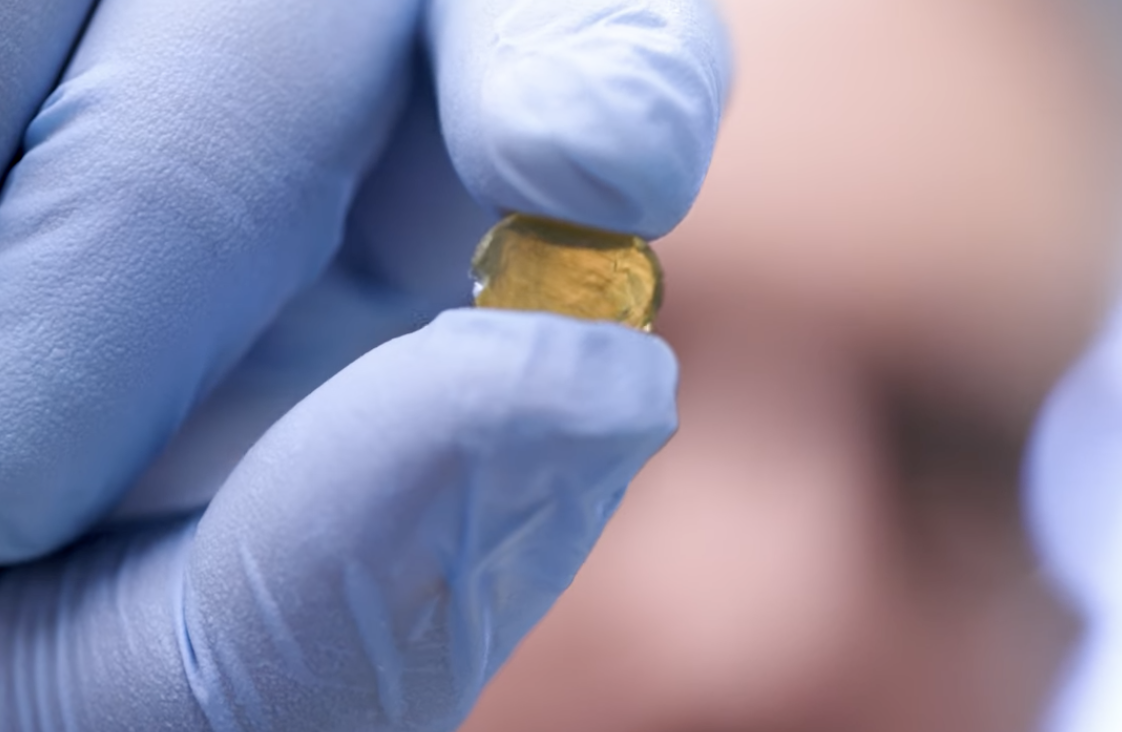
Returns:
<point x="532" y="263"/>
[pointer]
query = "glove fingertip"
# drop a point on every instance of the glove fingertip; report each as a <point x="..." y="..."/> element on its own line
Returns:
<point x="605" y="116"/>
<point x="1072" y="473"/>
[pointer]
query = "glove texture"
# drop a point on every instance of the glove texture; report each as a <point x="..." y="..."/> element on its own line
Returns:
<point x="243" y="485"/>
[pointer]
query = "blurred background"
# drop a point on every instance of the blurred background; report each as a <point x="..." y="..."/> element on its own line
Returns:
<point x="907" y="233"/>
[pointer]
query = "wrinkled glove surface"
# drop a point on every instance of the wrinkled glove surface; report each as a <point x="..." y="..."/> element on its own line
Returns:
<point x="239" y="489"/>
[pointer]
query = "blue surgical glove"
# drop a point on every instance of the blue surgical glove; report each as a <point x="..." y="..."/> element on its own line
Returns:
<point x="1075" y="504"/>
<point x="225" y="225"/>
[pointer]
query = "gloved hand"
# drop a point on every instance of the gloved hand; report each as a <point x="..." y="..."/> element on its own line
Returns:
<point x="1075" y="489"/>
<point x="221" y="205"/>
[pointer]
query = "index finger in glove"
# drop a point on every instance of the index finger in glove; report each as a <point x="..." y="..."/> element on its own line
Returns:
<point x="604" y="113"/>
<point x="372" y="561"/>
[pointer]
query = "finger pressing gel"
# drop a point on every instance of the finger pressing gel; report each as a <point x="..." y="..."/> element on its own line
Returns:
<point x="533" y="263"/>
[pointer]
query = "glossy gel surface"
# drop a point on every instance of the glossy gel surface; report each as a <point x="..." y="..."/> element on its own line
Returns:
<point x="532" y="263"/>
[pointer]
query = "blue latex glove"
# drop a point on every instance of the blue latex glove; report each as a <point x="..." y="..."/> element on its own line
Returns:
<point x="1075" y="490"/>
<point x="221" y="205"/>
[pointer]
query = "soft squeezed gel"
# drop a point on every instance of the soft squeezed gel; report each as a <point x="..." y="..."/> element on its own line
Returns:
<point x="533" y="263"/>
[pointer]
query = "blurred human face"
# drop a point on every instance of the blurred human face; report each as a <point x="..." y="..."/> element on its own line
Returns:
<point x="935" y="178"/>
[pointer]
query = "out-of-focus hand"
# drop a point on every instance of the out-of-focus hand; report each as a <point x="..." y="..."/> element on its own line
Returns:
<point x="219" y="207"/>
<point x="1076" y="503"/>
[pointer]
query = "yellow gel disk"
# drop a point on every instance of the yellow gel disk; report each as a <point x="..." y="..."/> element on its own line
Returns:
<point x="532" y="263"/>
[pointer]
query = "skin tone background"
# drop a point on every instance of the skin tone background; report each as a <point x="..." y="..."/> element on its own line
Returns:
<point x="905" y="236"/>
